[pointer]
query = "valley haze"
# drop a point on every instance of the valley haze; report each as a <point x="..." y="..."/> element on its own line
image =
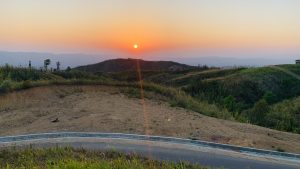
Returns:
<point x="79" y="59"/>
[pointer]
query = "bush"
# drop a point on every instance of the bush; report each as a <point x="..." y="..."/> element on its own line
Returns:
<point x="6" y="86"/>
<point x="280" y="149"/>
<point x="258" y="113"/>
<point x="132" y="92"/>
<point x="285" y="116"/>
<point x="270" y="97"/>
<point x="22" y="74"/>
<point x="75" y="74"/>
<point x="230" y="103"/>
<point x="26" y="84"/>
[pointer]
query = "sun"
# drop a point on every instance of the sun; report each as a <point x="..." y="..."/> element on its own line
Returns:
<point x="135" y="46"/>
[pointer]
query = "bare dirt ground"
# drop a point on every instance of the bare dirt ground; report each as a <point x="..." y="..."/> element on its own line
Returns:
<point x="106" y="109"/>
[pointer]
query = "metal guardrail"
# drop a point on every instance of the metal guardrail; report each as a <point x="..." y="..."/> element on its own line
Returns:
<point x="253" y="151"/>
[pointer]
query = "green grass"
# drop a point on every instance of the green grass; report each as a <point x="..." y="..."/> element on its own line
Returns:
<point x="69" y="158"/>
<point x="293" y="68"/>
<point x="205" y="75"/>
<point x="165" y="77"/>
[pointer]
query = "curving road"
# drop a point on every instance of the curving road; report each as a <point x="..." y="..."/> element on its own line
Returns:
<point x="162" y="148"/>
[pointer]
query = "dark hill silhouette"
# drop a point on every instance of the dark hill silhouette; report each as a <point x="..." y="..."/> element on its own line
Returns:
<point x="121" y="65"/>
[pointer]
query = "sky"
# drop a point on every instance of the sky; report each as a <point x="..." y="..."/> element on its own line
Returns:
<point x="184" y="30"/>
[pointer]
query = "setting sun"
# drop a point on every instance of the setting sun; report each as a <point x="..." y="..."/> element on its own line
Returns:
<point x="135" y="46"/>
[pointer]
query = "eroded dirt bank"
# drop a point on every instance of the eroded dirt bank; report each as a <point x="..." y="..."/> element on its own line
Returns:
<point x="106" y="109"/>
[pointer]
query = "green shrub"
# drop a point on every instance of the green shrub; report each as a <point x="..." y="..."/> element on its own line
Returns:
<point x="270" y="97"/>
<point x="285" y="116"/>
<point x="6" y="86"/>
<point x="26" y="84"/>
<point x="230" y="103"/>
<point x="75" y="74"/>
<point x="132" y="92"/>
<point x="280" y="149"/>
<point x="258" y="114"/>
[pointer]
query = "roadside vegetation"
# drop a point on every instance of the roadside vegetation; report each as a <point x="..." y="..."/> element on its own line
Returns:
<point x="69" y="158"/>
<point x="285" y="116"/>
<point x="262" y="96"/>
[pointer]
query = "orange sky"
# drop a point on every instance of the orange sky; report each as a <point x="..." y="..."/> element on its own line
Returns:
<point x="153" y="24"/>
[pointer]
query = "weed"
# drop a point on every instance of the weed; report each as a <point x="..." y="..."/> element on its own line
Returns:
<point x="280" y="149"/>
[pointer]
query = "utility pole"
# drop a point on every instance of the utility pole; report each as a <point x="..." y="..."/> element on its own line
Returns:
<point x="58" y="66"/>
<point x="29" y="64"/>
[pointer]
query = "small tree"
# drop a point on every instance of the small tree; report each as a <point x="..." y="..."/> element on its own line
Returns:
<point x="270" y="97"/>
<point x="230" y="103"/>
<point x="68" y="69"/>
<point x="258" y="114"/>
<point x="5" y="86"/>
<point x="47" y="62"/>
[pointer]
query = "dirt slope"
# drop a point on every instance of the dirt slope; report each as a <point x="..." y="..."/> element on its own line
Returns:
<point x="105" y="109"/>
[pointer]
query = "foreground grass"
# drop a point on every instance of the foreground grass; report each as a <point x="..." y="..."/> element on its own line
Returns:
<point x="69" y="158"/>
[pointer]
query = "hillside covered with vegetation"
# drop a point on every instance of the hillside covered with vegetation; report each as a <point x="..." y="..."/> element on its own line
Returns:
<point x="265" y="96"/>
<point x="123" y="65"/>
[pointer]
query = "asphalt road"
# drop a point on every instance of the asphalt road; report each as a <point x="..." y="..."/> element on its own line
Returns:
<point x="166" y="151"/>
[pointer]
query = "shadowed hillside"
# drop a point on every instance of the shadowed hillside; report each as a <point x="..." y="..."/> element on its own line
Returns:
<point x="121" y="65"/>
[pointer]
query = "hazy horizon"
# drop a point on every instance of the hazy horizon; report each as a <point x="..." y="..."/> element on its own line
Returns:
<point x="249" y="32"/>
<point x="79" y="59"/>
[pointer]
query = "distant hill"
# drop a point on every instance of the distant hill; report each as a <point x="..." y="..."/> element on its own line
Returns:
<point x="122" y="65"/>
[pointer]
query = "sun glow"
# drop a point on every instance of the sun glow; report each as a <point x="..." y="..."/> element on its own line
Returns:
<point x="135" y="46"/>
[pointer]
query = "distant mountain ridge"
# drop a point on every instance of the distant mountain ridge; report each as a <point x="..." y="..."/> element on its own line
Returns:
<point x="121" y="65"/>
